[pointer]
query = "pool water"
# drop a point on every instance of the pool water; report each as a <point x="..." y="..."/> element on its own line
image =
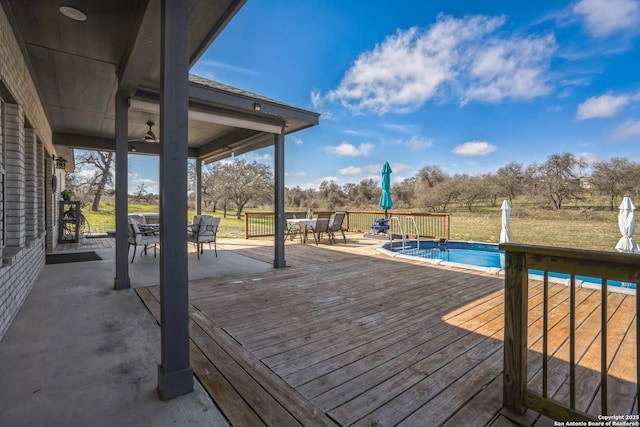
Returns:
<point x="475" y="254"/>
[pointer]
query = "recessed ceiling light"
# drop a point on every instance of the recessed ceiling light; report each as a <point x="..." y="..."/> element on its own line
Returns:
<point x="73" y="13"/>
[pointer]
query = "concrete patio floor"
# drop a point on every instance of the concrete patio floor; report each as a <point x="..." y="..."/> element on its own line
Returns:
<point x="79" y="353"/>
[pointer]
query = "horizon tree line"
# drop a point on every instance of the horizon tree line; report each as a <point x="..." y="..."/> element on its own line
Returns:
<point x="562" y="179"/>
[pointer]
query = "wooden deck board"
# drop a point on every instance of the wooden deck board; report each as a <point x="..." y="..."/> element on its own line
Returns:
<point x="348" y="336"/>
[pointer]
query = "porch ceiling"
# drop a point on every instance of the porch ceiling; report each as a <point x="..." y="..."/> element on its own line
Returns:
<point x="79" y="65"/>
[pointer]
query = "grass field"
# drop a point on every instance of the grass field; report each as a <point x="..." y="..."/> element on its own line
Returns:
<point x="104" y="220"/>
<point x="595" y="228"/>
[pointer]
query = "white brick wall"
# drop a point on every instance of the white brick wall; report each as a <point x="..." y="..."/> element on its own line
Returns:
<point x="30" y="202"/>
<point x="15" y="173"/>
<point x="30" y="189"/>
<point x="17" y="280"/>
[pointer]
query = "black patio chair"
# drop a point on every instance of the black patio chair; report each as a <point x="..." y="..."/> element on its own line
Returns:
<point x="336" y="226"/>
<point x="321" y="226"/>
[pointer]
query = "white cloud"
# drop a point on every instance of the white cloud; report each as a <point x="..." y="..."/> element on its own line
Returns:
<point x="601" y="106"/>
<point x="150" y="185"/>
<point x="627" y="130"/>
<point x="356" y="132"/>
<point x="350" y="170"/>
<point x="514" y="68"/>
<point x="257" y="156"/>
<point x="400" y="128"/>
<point x="373" y="169"/>
<point x="418" y="143"/>
<point x="316" y="99"/>
<point x="296" y="140"/>
<point x="602" y="18"/>
<point x="218" y="64"/>
<point x="590" y="158"/>
<point x="453" y="56"/>
<point x="350" y="150"/>
<point x="475" y="148"/>
<point x="399" y="167"/>
<point x="377" y="169"/>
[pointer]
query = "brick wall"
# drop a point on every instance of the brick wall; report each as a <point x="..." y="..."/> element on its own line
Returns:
<point x="30" y="203"/>
<point x="17" y="279"/>
<point x="30" y="189"/>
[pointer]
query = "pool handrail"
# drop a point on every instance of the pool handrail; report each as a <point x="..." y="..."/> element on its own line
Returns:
<point x="415" y="225"/>
<point x="402" y="233"/>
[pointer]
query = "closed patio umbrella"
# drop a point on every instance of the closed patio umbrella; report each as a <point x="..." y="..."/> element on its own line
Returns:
<point x="627" y="225"/>
<point x="385" y="198"/>
<point x="505" y="237"/>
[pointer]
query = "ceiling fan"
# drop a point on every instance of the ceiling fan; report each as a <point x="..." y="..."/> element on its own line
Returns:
<point x="149" y="136"/>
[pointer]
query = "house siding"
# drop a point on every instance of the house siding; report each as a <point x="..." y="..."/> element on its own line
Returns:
<point x="30" y="204"/>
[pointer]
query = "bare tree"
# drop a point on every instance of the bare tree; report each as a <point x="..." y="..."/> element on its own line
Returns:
<point x="101" y="163"/>
<point x="469" y="189"/>
<point x="613" y="178"/>
<point x="403" y="193"/>
<point x="559" y="178"/>
<point x="239" y="182"/>
<point x="432" y="175"/>
<point x="509" y="180"/>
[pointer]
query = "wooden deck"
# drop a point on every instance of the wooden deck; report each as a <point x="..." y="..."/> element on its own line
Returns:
<point x="347" y="336"/>
<point x="87" y="244"/>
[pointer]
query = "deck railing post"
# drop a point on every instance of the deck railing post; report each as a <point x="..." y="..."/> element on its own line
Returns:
<point x="515" y="332"/>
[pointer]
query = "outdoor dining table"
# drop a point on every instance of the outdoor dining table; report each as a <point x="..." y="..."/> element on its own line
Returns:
<point x="305" y="222"/>
<point x="149" y="228"/>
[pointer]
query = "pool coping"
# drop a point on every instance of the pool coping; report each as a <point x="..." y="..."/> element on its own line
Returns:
<point x="495" y="270"/>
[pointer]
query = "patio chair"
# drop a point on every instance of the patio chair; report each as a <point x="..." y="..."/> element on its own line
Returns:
<point x="322" y="226"/>
<point x="338" y="219"/>
<point x="291" y="230"/>
<point x="139" y="236"/>
<point x="204" y="230"/>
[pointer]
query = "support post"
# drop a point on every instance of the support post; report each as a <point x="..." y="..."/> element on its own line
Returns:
<point x="516" y="294"/>
<point x="122" y="280"/>
<point x="175" y="375"/>
<point x="198" y="186"/>
<point x="279" y="261"/>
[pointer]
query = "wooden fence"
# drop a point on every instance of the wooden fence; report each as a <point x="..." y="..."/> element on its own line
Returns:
<point x="430" y="225"/>
<point x="606" y="266"/>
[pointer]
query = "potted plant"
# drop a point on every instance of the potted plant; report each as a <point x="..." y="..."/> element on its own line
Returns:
<point x="67" y="194"/>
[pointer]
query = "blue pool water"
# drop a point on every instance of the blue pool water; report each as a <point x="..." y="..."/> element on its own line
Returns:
<point x="477" y="254"/>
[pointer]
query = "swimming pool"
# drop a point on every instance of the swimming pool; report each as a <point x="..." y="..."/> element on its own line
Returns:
<point x="484" y="257"/>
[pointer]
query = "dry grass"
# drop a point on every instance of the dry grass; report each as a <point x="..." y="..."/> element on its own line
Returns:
<point x="566" y="228"/>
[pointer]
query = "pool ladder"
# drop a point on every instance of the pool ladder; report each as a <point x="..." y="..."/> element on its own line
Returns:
<point x="402" y="225"/>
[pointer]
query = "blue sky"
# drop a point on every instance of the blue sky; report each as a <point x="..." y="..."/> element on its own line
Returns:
<point x="466" y="85"/>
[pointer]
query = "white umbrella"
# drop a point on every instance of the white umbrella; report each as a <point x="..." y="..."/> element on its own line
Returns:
<point x="505" y="237"/>
<point x="627" y="225"/>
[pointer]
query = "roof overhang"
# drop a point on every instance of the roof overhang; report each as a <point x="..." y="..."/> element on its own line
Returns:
<point x="78" y="66"/>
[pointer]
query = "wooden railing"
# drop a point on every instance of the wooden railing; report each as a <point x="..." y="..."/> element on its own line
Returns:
<point x="430" y="225"/>
<point x="519" y="259"/>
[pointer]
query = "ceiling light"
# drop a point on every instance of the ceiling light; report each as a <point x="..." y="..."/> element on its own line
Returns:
<point x="73" y="13"/>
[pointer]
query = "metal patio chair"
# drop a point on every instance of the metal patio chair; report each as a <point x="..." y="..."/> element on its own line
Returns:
<point x="204" y="230"/>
